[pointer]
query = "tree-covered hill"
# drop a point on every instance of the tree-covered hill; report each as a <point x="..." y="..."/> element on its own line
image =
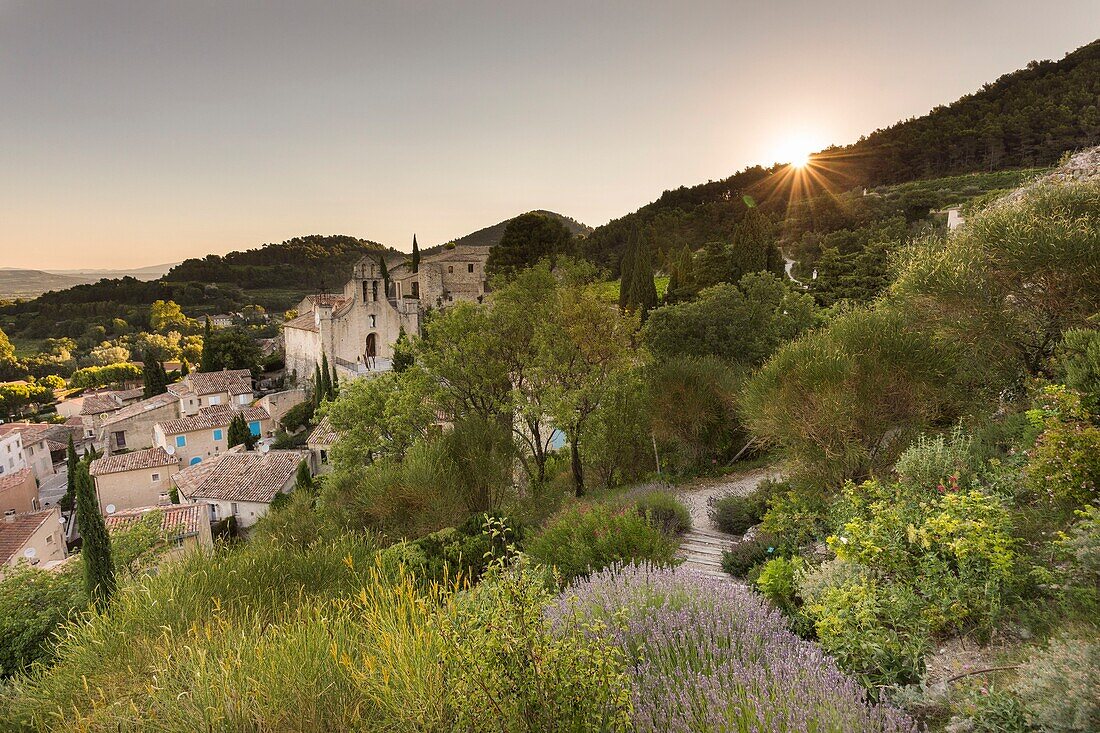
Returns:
<point x="303" y="262"/>
<point x="1027" y="118"/>
<point x="490" y="235"/>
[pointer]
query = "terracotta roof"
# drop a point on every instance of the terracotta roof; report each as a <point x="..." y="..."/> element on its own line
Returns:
<point x="181" y="520"/>
<point x="329" y="299"/>
<point x="31" y="432"/>
<point x="323" y="434"/>
<point x="95" y="404"/>
<point x="233" y="381"/>
<point x="15" y="531"/>
<point x="128" y="395"/>
<point x="140" y="408"/>
<point x="135" y="461"/>
<point x="240" y="476"/>
<point x="215" y="416"/>
<point x="14" y="480"/>
<point x="304" y="322"/>
<point x="463" y="253"/>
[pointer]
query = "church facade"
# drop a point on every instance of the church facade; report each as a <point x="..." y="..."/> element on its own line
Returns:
<point x="357" y="328"/>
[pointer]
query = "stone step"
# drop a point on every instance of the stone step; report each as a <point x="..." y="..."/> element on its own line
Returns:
<point x="704" y="561"/>
<point x="709" y="533"/>
<point x="704" y="547"/>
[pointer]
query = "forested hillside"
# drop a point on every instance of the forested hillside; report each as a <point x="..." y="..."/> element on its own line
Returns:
<point x="490" y="236"/>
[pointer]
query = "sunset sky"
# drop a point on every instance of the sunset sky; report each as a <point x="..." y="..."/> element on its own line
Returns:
<point x="144" y="132"/>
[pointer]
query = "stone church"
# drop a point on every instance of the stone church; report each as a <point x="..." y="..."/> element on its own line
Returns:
<point x="356" y="329"/>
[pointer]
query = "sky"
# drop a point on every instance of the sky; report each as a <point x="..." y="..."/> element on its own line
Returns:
<point x="139" y="133"/>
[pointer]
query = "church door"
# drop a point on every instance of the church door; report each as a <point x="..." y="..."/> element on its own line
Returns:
<point x="371" y="346"/>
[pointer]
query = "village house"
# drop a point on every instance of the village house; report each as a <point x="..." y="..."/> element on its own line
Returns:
<point x="204" y="389"/>
<point x="240" y="484"/>
<point x="186" y="526"/>
<point x="356" y="329"/>
<point x="277" y="404"/>
<point x="131" y="428"/>
<point x="320" y="443"/>
<point x="12" y="457"/>
<point x="128" y="480"/>
<point x="195" y="438"/>
<point x="223" y="320"/>
<point x="35" y="538"/>
<point x="44" y="444"/>
<point x="18" y="492"/>
<point x="93" y="408"/>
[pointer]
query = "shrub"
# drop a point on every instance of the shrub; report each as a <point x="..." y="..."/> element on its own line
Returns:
<point x="33" y="604"/>
<point x="705" y="654"/>
<point x="587" y="537"/>
<point x="735" y="513"/>
<point x="933" y="460"/>
<point x="778" y="581"/>
<point x="795" y="518"/>
<point x="992" y="711"/>
<point x="1060" y="686"/>
<point x="1079" y="363"/>
<point x="1065" y="462"/>
<point x="746" y="554"/>
<point x="664" y="511"/>
<point x="456" y="553"/>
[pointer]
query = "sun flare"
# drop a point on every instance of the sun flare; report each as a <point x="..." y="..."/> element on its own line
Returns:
<point x="800" y="159"/>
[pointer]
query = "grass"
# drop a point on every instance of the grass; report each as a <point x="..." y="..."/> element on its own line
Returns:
<point x="609" y="289"/>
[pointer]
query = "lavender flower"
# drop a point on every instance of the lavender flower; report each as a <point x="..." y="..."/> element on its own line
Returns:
<point x="709" y="655"/>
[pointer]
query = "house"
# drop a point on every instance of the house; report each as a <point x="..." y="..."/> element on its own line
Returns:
<point x="204" y="389"/>
<point x="356" y="329"/>
<point x="131" y="428"/>
<point x="12" y="456"/>
<point x="240" y="484"/>
<point x="35" y="441"/>
<point x="93" y="408"/>
<point x="320" y="443"/>
<point x="186" y="526"/>
<point x="277" y="404"/>
<point x="128" y="480"/>
<point x="223" y="320"/>
<point x="18" y="492"/>
<point x="195" y="438"/>
<point x="36" y="538"/>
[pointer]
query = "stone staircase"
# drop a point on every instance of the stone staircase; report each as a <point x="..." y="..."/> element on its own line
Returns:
<point x="701" y="550"/>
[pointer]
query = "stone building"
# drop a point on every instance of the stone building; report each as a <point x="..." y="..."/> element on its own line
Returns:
<point x="357" y="328"/>
<point x="130" y="480"/>
<point x="35" y="538"/>
<point x="195" y="438"/>
<point x="185" y="526"/>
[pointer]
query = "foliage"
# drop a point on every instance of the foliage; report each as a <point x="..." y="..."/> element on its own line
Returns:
<point x="734" y="513"/>
<point x="705" y="654"/>
<point x="840" y="400"/>
<point x="796" y="516"/>
<point x="105" y="375"/>
<point x="229" y="348"/>
<point x="747" y="553"/>
<point x="15" y="397"/>
<point x="239" y="433"/>
<point x="165" y="316"/>
<point x="1078" y="361"/>
<point x="153" y="375"/>
<point x="478" y="462"/>
<point x="1064" y="465"/>
<point x="298" y="416"/>
<point x="778" y="581"/>
<point x="33" y="603"/>
<point x="1060" y="685"/>
<point x="584" y="537"/>
<point x="95" y="549"/>
<point x="742" y="323"/>
<point x="664" y="511"/>
<point x="936" y="460"/>
<point x="527" y="240"/>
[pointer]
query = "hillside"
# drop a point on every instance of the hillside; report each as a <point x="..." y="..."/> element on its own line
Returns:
<point x="22" y="283"/>
<point x="490" y="235"/>
<point x="1027" y="118"/>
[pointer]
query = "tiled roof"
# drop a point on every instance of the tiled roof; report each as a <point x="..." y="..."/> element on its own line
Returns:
<point x="95" y="404"/>
<point x="233" y="381"/>
<point x="14" y="480"/>
<point x="15" y="531"/>
<point x="128" y="395"/>
<point x="463" y="253"/>
<point x="329" y="299"/>
<point x="135" y="461"/>
<point x="140" y="408"/>
<point x="323" y="434"/>
<point x="32" y="432"/>
<point x="240" y="476"/>
<point x="304" y="322"/>
<point x="215" y="416"/>
<point x="181" y="520"/>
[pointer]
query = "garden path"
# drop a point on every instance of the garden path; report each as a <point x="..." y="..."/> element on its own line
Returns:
<point x="702" y="546"/>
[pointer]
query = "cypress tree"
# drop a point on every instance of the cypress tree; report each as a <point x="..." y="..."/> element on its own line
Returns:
<point x="402" y="352"/>
<point x="385" y="272"/>
<point x="626" y="272"/>
<point x="206" y="361"/>
<point x="335" y="382"/>
<point x="303" y="480"/>
<point x="644" y="291"/>
<point x="326" y="379"/>
<point x="95" y="550"/>
<point x="239" y="433"/>
<point x="415" y="261"/>
<point x="71" y="461"/>
<point x="185" y="368"/>
<point x="318" y="387"/>
<point x="154" y="376"/>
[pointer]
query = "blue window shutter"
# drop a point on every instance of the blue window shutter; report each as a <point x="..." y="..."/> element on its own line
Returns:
<point x="181" y="441"/>
<point x="196" y="459"/>
<point x="254" y="426"/>
<point x="218" y="434"/>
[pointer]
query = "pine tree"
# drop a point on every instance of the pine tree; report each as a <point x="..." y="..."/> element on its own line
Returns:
<point x="71" y="461"/>
<point x="415" y="261"/>
<point x="326" y="379"/>
<point x="206" y="361"/>
<point x="95" y="550"/>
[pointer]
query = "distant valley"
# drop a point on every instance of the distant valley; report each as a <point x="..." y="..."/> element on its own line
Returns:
<point x="24" y="283"/>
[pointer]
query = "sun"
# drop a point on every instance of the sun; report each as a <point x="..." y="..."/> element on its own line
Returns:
<point x="800" y="159"/>
<point x="796" y="149"/>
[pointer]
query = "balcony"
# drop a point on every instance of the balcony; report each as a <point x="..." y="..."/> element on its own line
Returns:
<point x="373" y="365"/>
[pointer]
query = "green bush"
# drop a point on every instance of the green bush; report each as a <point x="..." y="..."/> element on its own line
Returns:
<point x="1060" y="686"/>
<point x="993" y="711"/>
<point x="778" y="581"/>
<point x="665" y="512"/>
<point x="795" y="518"/>
<point x="735" y="513"/>
<point x="746" y="554"/>
<point x="33" y="604"/>
<point x="587" y="537"/>
<point x="1065" y="463"/>
<point x="936" y="460"/>
<point x="456" y="553"/>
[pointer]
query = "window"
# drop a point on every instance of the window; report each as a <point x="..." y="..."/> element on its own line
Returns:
<point x="324" y="456"/>
<point x="155" y="477"/>
<point x="470" y="267"/>
<point x="120" y="439"/>
<point x="215" y="399"/>
<point x="416" y="289"/>
<point x="244" y="399"/>
<point x="450" y="269"/>
<point x="374" y="290"/>
<point x="233" y="508"/>
<point x="366" y="292"/>
<point x="181" y="441"/>
<point x="49" y="539"/>
<point x="373" y="321"/>
<point x="196" y="459"/>
<point x="218" y="434"/>
<point x="254" y="428"/>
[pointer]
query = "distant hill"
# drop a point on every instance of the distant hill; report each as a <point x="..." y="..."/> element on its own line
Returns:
<point x="1028" y="118"/>
<point x="490" y="235"/>
<point x="20" y="283"/>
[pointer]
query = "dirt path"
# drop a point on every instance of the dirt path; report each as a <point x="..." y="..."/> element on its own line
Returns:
<point x="702" y="547"/>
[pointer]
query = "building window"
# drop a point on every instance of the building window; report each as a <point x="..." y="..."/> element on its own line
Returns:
<point x="155" y="477"/>
<point x="218" y="434"/>
<point x="324" y="456"/>
<point x="450" y="269"/>
<point x="374" y="290"/>
<point x="181" y="441"/>
<point x="254" y="428"/>
<point x="416" y="289"/>
<point x="470" y="267"/>
<point x="366" y="292"/>
<point x="215" y="399"/>
<point x="196" y="459"/>
<point x="233" y="508"/>
<point x="120" y="439"/>
<point x="373" y="321"/>
<point x="49" y="539"/>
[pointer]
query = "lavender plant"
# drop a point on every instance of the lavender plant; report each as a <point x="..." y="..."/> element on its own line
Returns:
<point x="708" y="655"/>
